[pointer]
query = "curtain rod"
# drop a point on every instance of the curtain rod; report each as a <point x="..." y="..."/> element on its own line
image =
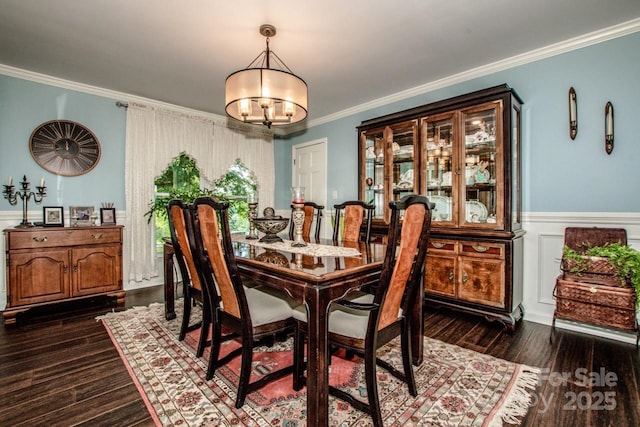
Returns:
<point x="122" y="104"/>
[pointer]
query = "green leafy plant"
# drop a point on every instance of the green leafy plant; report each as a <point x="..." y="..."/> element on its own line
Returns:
<point x="158" y="206"/>
<point x="624" y="258"/>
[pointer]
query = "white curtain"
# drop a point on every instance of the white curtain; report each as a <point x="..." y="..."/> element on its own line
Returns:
<point x="154" y="137"/>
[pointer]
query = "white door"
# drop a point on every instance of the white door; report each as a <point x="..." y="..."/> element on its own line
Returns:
<point x="310" y="171"/>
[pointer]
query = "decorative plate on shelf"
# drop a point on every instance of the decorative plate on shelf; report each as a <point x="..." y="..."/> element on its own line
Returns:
<point x="405" y="185"/>
<point x="442" y="211"/>
<point x="476" y="211"/>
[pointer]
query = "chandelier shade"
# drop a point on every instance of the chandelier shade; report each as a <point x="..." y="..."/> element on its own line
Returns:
<point x="265" y="95"/>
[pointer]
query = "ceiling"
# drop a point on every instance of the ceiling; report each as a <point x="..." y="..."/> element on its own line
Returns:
<point x="349" y="52"/>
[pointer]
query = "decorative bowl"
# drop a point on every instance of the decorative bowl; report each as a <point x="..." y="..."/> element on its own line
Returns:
<point x="271" y="226"/>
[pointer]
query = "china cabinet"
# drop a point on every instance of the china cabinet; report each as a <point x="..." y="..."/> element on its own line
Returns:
<point x="49" y="265"/>
<point x="464" y="154"/>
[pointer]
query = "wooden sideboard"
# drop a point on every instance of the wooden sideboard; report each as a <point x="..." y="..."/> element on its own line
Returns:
<point x="47" y="265"/>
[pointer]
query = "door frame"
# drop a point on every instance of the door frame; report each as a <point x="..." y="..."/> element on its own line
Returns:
<point x="327" y="211"/>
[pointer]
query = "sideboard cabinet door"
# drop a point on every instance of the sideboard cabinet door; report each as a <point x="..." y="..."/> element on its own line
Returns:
<point x="39" y="277"/>
<point x="96" y="270"/>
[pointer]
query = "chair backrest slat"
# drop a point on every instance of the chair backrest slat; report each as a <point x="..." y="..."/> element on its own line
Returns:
<point x="353" y="218"/>
<point x="210" y="236"/>
<point x="180" y="240"/>
<point x="349" y="217"/>
<point x="412" y="225"/>
<point x="405" y="258"/>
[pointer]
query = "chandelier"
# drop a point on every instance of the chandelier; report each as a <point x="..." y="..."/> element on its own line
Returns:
<point x="260" y="94"/>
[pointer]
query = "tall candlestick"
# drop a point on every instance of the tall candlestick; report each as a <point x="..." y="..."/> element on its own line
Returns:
<point x="24" y="193"/>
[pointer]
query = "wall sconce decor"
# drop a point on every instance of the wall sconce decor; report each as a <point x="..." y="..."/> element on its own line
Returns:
<point x="608" y="127"/>
<point x="573" y="113"/>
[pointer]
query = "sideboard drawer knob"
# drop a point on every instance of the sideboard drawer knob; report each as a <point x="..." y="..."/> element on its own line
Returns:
<point x="40" y="239"/>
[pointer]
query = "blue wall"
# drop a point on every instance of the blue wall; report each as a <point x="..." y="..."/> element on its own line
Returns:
<point x="24" y="105"/>
<point x="559" y="175"/>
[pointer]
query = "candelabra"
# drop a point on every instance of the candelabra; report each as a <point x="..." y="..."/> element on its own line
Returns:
<point x="25" y="194"/>
<point x="298" y="216"/>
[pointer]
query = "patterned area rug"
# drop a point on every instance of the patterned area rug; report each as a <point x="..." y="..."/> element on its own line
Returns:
<point x="456" y="386"/>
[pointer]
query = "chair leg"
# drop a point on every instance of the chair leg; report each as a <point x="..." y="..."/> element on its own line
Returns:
<point x="245" y="371"/>
<point x="298" y="358"/>
<point x="204" y="330"/>
<point x="186" y="315"/>
<point x="405" y="342"/>
<point x="216" y="337"/>
<point x="372" y="388"/>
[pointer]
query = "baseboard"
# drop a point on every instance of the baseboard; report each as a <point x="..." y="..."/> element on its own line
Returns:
<point x="155" y="281"/>
<point x="600" y="332"/>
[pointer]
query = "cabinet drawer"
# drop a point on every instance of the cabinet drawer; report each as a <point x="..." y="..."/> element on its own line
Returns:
<point x="482" y="249"/>
<point x="436" y="245"/>
<point x="46" y="238"/>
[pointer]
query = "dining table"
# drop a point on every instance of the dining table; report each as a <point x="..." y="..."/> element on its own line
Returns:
<point x="316" y="275"/>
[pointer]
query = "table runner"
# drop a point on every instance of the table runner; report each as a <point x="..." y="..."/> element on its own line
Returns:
<point x="312" y="249"/>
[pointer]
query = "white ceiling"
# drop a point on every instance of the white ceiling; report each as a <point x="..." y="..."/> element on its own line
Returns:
<point x="349" y="52"/>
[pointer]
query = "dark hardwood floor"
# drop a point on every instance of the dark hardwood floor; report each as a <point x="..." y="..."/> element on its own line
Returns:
<point x="59" y="367"/>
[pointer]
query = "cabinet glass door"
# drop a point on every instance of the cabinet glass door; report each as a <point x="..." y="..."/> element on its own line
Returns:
<point x="390" y="167"/>
<point x="482" y="167"/>
<point x="403" y="173"/>
<point x="438" y="135"/>
<point x="374" y="149"/>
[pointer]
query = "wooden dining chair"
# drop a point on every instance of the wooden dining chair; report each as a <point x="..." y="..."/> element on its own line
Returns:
<point x="356" y="213"/>
<point x="312" y="215"/>
<point x="181" y="228"/>
<point x="253" y="313"/>
<point x="366" y="323"/>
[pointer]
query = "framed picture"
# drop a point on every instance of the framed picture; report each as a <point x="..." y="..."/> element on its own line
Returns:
<point x="81" y="215"/>
<point x="108" y="216"/>
<point x="53" y="216"/>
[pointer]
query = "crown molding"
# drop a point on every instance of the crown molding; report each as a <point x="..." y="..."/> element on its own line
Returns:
<point x="105" y="93"/>
<point x="124" y="98"/>
<point x="575" y="43"/>
<point x="579" y="42"/>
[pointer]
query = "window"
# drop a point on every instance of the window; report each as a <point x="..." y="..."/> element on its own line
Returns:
<point x="234" y="187"/>
<point x="181" y="180"/>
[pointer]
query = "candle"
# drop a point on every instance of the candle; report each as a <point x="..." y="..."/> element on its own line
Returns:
<point x="572" y="107"/>
<point x="41" y="181"/>
<point x="609" y="124"/>
<point x="298" y="194"/>
<point x="10" y="181"/>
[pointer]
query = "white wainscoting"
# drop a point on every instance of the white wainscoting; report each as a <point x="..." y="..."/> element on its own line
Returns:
<point x="542" y="252"/>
